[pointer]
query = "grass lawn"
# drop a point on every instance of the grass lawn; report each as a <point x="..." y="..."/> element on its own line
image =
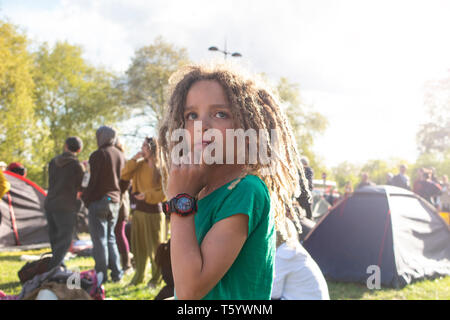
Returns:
<point x="10" y="263"/>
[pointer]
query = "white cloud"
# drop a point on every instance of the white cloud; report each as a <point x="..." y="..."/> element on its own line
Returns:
<point x="358" y="62"/>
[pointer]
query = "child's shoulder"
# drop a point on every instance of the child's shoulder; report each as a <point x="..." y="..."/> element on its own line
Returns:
<point x="249" y="182"/>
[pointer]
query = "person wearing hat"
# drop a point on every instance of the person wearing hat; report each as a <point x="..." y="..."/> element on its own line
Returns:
<point x="17" y="168"/>
<point x="65" y="174"/>
<point x="102" y="197"/>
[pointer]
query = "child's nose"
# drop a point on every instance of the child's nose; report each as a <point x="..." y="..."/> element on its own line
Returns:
<point x="206" y="124"/>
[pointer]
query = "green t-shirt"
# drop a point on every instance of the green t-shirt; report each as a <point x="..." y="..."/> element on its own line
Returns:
<point x="250" y="277"/>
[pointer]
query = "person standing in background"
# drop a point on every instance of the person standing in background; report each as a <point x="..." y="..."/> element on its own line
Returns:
<point x="365" y="181"/>
<point x="124" y="213"/>
<point x="102" y="198"/>
<point x="65" y="174"/>
<point x="444" y="199"/>
<point x="426" y="187"/>
<point x="389" y="178"/>
<point x="17" y="168"/>
<point x="401" y="180"/>
<point x="148" y="222"/>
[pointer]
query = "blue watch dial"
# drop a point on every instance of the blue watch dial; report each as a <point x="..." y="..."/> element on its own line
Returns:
<point x="183" y="204"/>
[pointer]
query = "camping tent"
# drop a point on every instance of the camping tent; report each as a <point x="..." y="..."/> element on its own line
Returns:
<point x="382" y="226"/>
<point x="22" y="218"/>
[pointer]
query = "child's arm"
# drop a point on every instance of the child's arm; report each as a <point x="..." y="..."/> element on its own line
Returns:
<point x="197" y="270"/>
<point x="129" y="169"/>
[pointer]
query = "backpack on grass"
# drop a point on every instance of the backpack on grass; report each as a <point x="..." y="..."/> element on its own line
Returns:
<point x="34" y="268"/>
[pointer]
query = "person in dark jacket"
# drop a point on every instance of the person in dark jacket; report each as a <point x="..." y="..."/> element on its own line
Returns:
<point x="102" y="198"/>
<point x="427" y="188"/>
<point x="65" y="174"/>
<point x="401" y="180"/>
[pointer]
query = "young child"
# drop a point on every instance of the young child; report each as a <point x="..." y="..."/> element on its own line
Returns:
<point x="224" y="215"/>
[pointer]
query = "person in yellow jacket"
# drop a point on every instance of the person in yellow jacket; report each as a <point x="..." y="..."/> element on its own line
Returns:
<point x="4" y="185"/>
<point x="148" y="222"/>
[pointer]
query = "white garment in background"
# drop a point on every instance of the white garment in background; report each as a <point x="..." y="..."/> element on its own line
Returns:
<point x="297" y="276"/>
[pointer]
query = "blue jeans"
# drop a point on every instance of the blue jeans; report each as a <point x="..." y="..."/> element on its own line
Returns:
<point x="103" y="216"/>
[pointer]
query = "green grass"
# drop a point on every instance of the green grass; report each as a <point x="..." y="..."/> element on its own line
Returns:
<point x="10" y="263"/>
<point x="437" y="289"/>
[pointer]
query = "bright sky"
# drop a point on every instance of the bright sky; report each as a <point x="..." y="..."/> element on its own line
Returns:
<point x="363" y="64"/>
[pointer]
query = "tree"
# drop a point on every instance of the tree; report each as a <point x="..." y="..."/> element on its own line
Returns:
<point x="434" y="135"/>
<point x="20" y="134"/>
<point x="17" y="120"/>
<point x="305" y="122"/>
<point x="378" y="170"/>
<point x="346" y="172"/>
<point x="73" y="98"/>
<point x="440" y="162"/>
<point x="147" y="79"/>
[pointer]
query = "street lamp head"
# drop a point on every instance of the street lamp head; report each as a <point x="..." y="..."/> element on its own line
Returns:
<point x="213" y="49"/>
<point x="236" y="54"/>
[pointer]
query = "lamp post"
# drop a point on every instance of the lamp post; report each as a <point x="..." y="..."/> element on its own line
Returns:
<point x="225" y="52"/>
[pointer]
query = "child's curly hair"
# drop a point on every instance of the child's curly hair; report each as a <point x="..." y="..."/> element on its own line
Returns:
<point x="253" y="106"/>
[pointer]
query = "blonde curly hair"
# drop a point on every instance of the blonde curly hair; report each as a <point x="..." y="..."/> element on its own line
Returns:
<point x="253" y="106"/>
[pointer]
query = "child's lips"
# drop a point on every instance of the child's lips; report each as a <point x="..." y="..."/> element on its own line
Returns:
<point x="204" y="143"/>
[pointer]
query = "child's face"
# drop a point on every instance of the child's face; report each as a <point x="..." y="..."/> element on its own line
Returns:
<point x="206" y="102"/>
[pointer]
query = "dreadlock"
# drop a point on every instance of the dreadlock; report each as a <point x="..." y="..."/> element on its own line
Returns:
<point x="253" y="106"/>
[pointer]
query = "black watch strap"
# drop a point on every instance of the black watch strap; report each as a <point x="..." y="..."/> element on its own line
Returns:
<point x="171" y="205"/>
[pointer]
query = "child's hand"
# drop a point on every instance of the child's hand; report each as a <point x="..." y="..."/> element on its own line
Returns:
<point x="186" y="178"/>
<point x="140" y="196"/>
<point x="138" y="155"/>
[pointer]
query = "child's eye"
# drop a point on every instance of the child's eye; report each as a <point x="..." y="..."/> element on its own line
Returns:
<point x="191" y="116"/>
<point x="221" y="115"/>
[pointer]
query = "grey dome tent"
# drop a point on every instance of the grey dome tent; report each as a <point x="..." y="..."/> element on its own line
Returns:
<point x="382" y="226"/>
<point x="22" y="217"/>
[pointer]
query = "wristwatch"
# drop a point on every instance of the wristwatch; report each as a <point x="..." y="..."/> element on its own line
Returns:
<point x="182" y="204"/>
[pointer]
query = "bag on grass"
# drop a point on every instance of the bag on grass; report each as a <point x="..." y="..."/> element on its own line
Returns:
<point x="34" y="268"/>
<point x="88" y="280"/>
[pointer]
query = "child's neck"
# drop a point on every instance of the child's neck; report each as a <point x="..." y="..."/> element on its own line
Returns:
<point x="221" y="175"/>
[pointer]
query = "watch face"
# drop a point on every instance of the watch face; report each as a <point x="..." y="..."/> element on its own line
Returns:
<point x="183" y="204"/>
